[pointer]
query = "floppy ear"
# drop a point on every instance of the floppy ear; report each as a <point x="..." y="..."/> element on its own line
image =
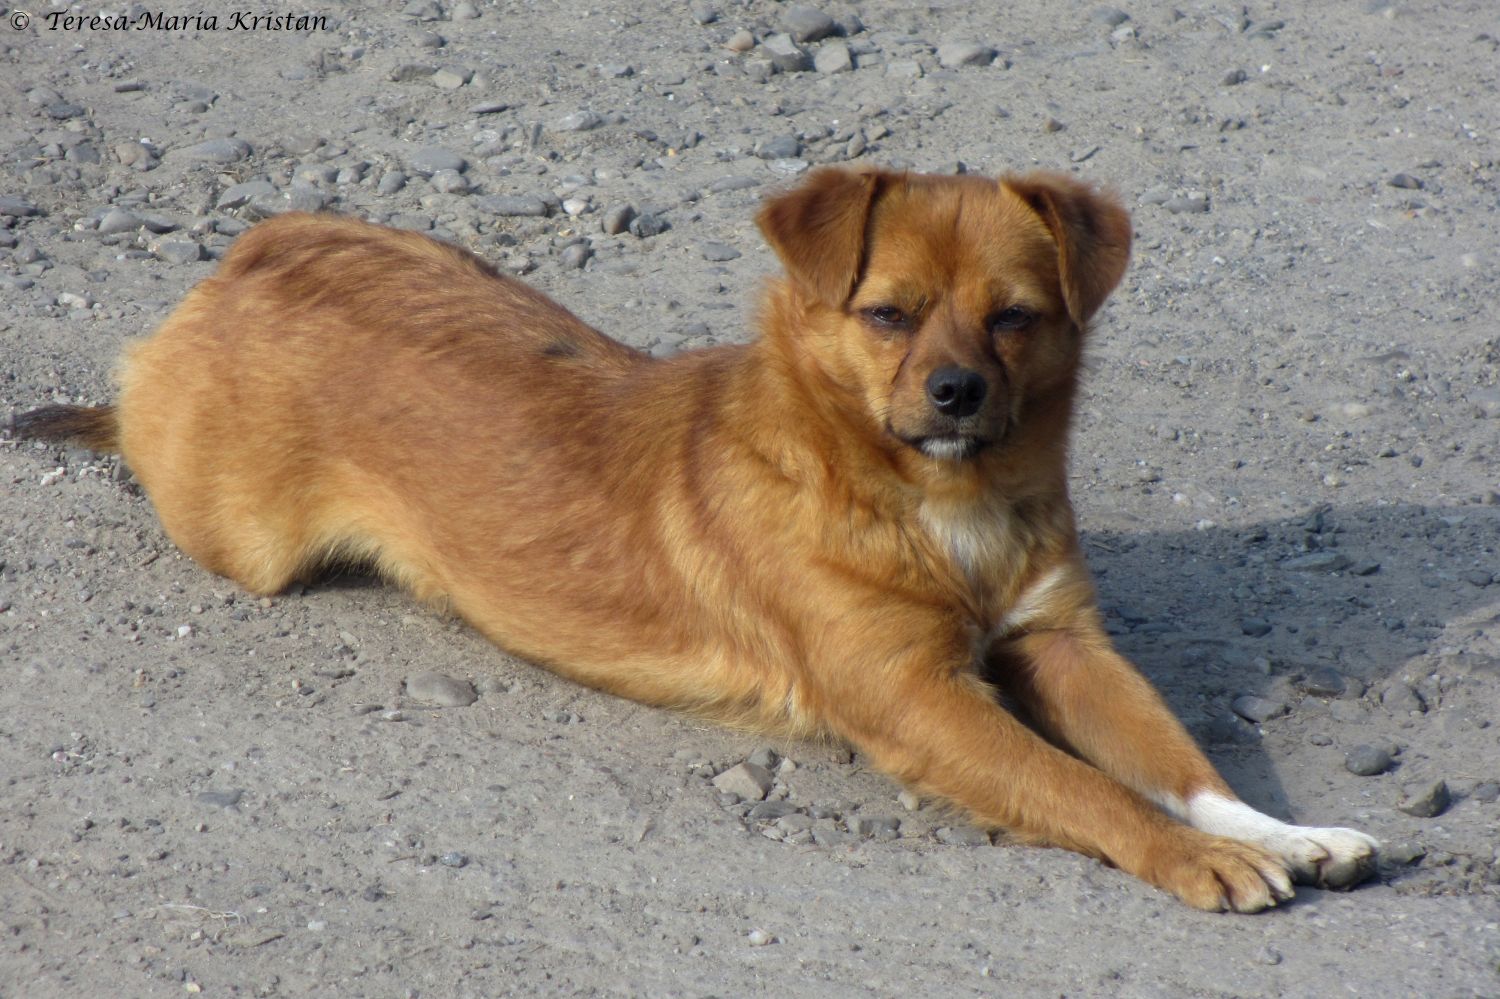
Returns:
<point x="1092" y="232"/>
<point x="818" y="230"/>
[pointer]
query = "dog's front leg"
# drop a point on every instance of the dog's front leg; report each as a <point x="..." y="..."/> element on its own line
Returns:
<point x="942" y="730"/>
<point x="1087" y="697"/>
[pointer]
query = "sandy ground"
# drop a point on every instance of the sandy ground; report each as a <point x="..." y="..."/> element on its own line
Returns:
<point x="1286" y="468"/>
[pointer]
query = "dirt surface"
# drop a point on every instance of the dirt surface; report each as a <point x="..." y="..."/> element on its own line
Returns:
<point x="1286" y="469"/>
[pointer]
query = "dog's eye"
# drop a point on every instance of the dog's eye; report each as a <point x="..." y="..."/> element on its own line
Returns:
<point x="886" y="315"/>
<point x="1013" y="318"/>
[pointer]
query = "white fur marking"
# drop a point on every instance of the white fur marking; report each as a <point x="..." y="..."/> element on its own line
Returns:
<point x="1320" y="855"/>
<point x="948" y="448"/>
<point x="1032" y="602"/>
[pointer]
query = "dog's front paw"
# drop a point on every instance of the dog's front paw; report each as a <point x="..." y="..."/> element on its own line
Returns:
<point x="1217" y="874"/>
<point x="1328" y="858"/>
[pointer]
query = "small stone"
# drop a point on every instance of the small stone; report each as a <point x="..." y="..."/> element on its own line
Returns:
<point x="833" y="57"/>
<point x="781" y="147"/>
<point x="238" y="195"/>
<point x="580" y="121"/>
<point x="1186" y="203"/>
<point x="411" y="72"/>
<point x="759" y="938"/>
<point x="703" y="13"/>
<point x="963" y="836"/>
<point x="719" y="252"/>
<point x="617" y="219"/>
<point x="177" y="251"/>
<point x="740" y="41"/>
<point x="1399" y="698"/>
<point x="807" y="24"/>
<point x="464" y="11"/>
<point x="909" y="801"/>
<point x="874" y="826"/>
<point x="1258" y="709"/>
<point x="440" y="690"/>
<point x="1234" y="78"/>
<point x="453" y="859"/>
<point x="513" y="205"/>
<point x="1486" y="791"/>
<point x="648" y="225"/>
<point x="136" y="155"/>
<point x="223" y="150"/>
<point x="750" y="782"/>
<point x="574" y="256"/>
<point x="1479" y="577"/>
<point x="772" y="810"/>
<point x="451" y="77"/>
<point x="220" y="799"/>
<point x="118" y="220"/>
<point x="1406" y="182"/>
<point x="1367" y="761"/>
<point x="17" y="207"/>
<point x="1317" y="562"/>
<point x="1255" y="627"/>
<point x="488" y="107"/>
<point x="430" y="159"/>
<point x="1402" y="853"/>
<point x="1425" y="800"/>
<point x="72" y="300"/>
<point x="1324" y="682"/>
<point x="449" y="182"/>
<point x="785" y="54"/>
<point x="1364" y="568"/>
<point x="955" y="54"/>
<point x="765" y="756"/>
<point x="391" y="182"/>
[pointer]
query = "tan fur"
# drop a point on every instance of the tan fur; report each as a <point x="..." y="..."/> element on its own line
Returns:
<point x="750" y="532"/>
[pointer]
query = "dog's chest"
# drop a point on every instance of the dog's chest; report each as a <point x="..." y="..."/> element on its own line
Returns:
<point x="989" y="544"/>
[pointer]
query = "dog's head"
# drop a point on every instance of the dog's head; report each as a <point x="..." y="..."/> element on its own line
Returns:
<point x="954" y="307"/>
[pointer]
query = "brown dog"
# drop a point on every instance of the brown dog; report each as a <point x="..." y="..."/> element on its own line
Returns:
<point x="851" y="526"/>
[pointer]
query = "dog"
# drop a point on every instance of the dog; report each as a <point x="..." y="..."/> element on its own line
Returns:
<point x="855" y="526"/>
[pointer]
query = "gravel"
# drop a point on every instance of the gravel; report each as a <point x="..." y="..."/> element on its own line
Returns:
<point x="439" y="690"/>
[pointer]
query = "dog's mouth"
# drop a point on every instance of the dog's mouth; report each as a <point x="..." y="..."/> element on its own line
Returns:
<point x="949" y="447"/>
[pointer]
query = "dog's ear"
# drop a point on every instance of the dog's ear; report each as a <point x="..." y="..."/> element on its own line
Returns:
<point x="818" y="230"/>
<point x="1092" y="232"/>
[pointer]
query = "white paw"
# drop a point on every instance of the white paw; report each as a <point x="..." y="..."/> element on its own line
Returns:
<point x="1328" y="858"/>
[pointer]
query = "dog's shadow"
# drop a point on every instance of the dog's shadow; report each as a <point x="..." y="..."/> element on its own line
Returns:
<point x="1382" y="596"/>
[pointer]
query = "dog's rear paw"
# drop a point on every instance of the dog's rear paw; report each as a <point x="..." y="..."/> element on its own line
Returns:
<point x="1328" y="858"/>
<point x="1218" y="874"/>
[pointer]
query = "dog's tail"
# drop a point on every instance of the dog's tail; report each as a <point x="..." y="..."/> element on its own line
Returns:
<point x="93" y="427"/>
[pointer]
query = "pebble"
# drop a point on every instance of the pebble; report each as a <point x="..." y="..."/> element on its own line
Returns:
<point x="1234" y="78"/>
<point x="773" y="810"/>
<point x="391" y="182"/>
<point x="1317" y="562"/>
<point x="440" y="690"/>
<point x="17" y="207"/>
<point x="807" y="24"/>
<point x="963" y="836"/>
<point x="703" y="13"/>
<point x="579" y="121"/>
<point x="410" y="72"/>
<point x="759" y="938"/>
<point x="748" y="781"/>
<point x="1400" y="698"/>
<point x="453" y="859"/>
<point x="1186" y="203"/>
<point x="449" y="182"/>
<point x="177" y="251"/>
<point x="430" y="159"/>
<point x="220" y="799"/>
<point x="955" y="54"/>
<point x="1258" y="709"/>
<point x="1367" y="761"/>
<point x="875" y="826"/>
<point x="618" y="219"/>
<point x="785" y="54"/>
<point x="647" y="225"/>
<point x="118" y="220"/>
<point x="1406" y="182"/>
<point x="833" y="57"/>
<point x="1479" y="577"/>
<point x="737" y="182"/>
<point x="1324" y="682"/>
<point x="765" y="756"/>
<point x="451" y="77"/>
<point x="1425" y="800"/>
<point x="1402" y="853"/>
<point x="575" y="255"/>
<point x="740" y="41"/>
<point x="719" y="252"/>
<point x="237" y="195"/>
<point x="223" y="150"/>
<point x="1255" y="627"/>
<point x="136" y="155"/>
<point x="780" y="147"/>
<point x="513" y="205"/>
<point x="909" y="801"/>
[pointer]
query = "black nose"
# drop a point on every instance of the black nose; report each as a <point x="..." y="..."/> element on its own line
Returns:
<point x="956" y="392"/>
